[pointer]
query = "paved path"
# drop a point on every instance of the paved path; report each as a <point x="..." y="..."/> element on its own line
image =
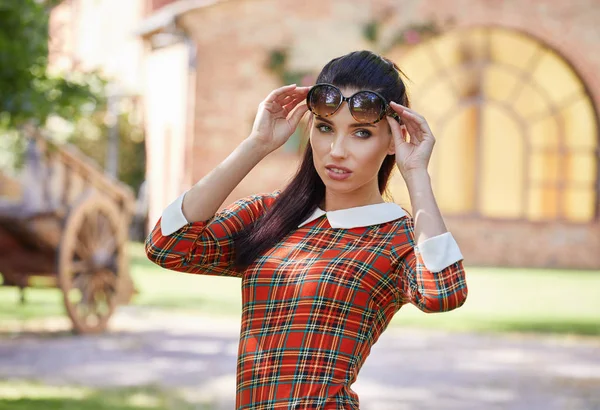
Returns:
<point x="407" y="369"/>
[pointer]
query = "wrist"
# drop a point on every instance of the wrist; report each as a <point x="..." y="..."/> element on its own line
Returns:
<point x="256" y="147"/>
<point x="416" y="176"/>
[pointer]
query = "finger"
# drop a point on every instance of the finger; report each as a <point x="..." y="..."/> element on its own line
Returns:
<point x="397" y="108"/>
<point x="412" y="129"/>
<point x="296" y="97"/>
<point x="284" y="101"/>
<point x="302" y="90"/>
<point x="415" y="133"/>
<point x="396" y="132"/>
<point x="293" y="93"/>
<point x="284" y="98"/>
<point x="292" y="104"/>
<point x="279" y="91"/>
<point x="406" y="120"/>
<point x="297" y="114"/>
<point x="413" y="125"/>
<point x="395" y="105"/>
<point x="415" y="117"/>
<point x="272" y="107"/>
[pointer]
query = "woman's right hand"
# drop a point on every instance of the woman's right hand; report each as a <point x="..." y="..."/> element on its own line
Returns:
<point x="278" y="116"/>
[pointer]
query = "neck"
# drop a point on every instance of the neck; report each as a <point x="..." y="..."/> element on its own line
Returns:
<point x="335" y="200"/>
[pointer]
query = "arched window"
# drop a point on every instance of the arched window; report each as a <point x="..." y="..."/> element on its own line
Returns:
<point x="517" y="133"/>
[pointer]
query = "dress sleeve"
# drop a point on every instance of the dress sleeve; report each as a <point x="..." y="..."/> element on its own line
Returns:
<point x="431" y="276"/>
<point x="205" y="247"/>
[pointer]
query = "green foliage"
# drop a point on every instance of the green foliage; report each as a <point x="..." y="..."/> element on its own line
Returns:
<point x="371" y="31"/>
<point x="90" y="134"/>
<point x="73" y="107"/>
<point x="12" y="149"/>
<point x="27" y="91"/>
<point x="277" y="60"/>
<point x="278" y="65"/>
<point x="411" y="34"/>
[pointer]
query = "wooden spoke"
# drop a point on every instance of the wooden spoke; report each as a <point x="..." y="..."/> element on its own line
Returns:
<point x="79" y="281"/>
<point x="79" y="266"/>
<point x="104" y="229"/>
<point x="83" y="249"/>
<point x="94" y="228"/>
<point x="91" y="262"/>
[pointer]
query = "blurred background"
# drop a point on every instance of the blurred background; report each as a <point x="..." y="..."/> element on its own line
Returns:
<point x="110" y="109"/>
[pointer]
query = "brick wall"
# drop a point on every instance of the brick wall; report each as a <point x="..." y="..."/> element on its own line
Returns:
<point x="521" y="243"/>
<point x="233" y="40"/>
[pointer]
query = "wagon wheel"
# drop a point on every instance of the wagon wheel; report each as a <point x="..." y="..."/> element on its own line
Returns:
<point x="91" y="260"/>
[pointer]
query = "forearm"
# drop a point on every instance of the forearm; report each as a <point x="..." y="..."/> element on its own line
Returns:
<point x="427" y="215"/>
<point x="203" y="200"/>
<point x="435" y="277"/>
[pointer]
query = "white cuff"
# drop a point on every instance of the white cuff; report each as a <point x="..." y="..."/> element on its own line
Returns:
<point x="173" y="218"/>
<point x="439" y="252"/>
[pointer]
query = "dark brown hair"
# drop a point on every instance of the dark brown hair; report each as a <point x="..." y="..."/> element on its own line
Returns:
<point x="362" y="70"/>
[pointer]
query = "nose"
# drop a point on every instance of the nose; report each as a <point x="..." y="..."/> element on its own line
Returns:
<point x="338" y="147"/>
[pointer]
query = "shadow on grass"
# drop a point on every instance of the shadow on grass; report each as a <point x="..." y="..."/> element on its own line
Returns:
<point x="583" y="328"/>
<point x="147" y="397"/>
<point x="40" y="303"/>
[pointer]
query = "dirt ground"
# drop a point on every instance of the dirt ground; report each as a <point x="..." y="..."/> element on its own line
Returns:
<point x="407" y="369"/>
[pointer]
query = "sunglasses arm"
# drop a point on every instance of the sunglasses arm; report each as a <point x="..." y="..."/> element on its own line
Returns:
<point x="390" y="112"/>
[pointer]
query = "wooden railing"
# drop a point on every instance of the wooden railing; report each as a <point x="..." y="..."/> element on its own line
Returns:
<point x="55" y="176"/>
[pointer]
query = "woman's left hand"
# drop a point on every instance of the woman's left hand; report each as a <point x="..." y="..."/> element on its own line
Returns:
<point x="412" y="155"/>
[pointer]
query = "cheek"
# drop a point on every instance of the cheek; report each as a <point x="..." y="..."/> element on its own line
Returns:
<point x="370" y="156"/>
<point x="319" y="146"/>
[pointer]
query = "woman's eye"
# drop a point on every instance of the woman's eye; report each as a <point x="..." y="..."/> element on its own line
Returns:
<point x="363" y="134"/>
<point x="324" y="128"/>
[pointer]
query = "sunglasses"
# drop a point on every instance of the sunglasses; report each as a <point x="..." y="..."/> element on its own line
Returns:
<point x="323" y="100"/>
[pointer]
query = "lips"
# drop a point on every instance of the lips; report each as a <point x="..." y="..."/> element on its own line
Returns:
<point x="338" y="169"/>
<point x="337" y="172"/>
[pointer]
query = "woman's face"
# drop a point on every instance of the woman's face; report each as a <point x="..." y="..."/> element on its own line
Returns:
<point x="347" y="154"/>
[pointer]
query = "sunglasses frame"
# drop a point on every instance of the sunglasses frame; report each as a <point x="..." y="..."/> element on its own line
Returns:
<point x="387" y="110"/>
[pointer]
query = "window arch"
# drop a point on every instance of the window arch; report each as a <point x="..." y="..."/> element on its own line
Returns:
<point x="517" y="133"/>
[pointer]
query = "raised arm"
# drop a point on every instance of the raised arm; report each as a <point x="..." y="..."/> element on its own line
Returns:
<point x="274" y="124"/>
<point x="191" y="236"/>
<point x="433" y="276"/>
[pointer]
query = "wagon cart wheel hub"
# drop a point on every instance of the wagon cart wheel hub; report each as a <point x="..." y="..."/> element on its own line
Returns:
<point x="91" y="262"/>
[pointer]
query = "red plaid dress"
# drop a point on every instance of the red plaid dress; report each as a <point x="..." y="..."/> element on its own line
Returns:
<point x="314" y="304"/>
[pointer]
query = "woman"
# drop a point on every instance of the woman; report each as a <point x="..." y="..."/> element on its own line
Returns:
<point x="325" y="263"/>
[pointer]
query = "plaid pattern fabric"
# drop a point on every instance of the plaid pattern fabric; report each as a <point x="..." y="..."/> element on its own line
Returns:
<point x="313" y="305"/>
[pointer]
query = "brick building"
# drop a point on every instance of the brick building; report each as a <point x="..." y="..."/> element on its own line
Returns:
<point x="510" y="89"/>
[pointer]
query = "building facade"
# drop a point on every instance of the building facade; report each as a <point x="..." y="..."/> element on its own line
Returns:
<point x="509" y="88"/>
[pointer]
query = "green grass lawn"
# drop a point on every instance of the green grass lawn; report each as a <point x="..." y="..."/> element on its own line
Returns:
<point x="520" y="300"/>
<point x="26" y="395"/>
<point x="500" y="299"/>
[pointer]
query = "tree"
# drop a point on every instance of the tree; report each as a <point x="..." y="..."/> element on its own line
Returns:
<point x="27" y="92"/>
<point x="77" y="101"/>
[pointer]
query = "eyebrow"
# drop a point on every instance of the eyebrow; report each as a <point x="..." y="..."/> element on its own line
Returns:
<point x="356" y="125"/>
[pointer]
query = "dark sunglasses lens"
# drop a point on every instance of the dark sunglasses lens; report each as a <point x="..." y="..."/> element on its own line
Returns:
<point x="324" y="100"/>
<point x="367" y="107"/>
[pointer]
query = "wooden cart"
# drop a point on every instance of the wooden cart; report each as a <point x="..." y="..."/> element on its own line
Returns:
<point x="65" y="220"/>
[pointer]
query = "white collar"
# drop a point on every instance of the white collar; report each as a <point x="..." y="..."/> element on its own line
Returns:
<point x="359" y="216"/>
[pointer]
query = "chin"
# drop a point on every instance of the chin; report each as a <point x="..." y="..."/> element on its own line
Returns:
<point x="340" y="187"/>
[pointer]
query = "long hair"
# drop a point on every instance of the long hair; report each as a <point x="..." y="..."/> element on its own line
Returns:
<point x="361" y="70"/>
